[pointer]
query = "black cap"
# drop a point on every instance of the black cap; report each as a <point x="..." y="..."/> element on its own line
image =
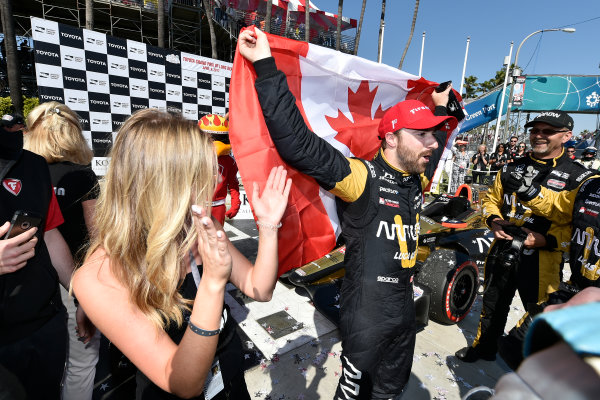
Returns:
<point x="556" y="118"/>
<point x="9" y="120"/>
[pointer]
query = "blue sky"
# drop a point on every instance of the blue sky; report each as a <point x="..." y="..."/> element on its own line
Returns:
<point x="491" y="28"/>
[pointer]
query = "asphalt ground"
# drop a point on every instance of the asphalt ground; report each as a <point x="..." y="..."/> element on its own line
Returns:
<point x="293" y="351"/>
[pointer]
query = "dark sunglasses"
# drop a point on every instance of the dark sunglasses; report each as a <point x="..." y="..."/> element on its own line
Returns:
<point x="570" y="151"/>
<point x="535" y="131"/>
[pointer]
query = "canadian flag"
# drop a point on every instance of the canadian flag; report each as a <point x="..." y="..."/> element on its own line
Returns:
<point x="342" y="98"/>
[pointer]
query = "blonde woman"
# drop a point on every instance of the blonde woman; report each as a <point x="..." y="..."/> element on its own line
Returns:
<point x="163" y="308"/>
<point x="54" y="133"/>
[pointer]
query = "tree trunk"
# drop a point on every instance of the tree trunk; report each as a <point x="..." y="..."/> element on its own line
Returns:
<point x="338" y="34"/>
<point x="209" y="16"/>
<point x="12" y="61"/>
<point x="89" y="14"/>
<point x="268" y="16"/>
<point x="307" y="21"/>
<point x="362" y="14"/>
<point x="160" y="20"/>
<point x="412" y="30"/>
<point x="381" y="25"/>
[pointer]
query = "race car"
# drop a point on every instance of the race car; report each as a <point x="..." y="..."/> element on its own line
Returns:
<point x="453" y="243"/>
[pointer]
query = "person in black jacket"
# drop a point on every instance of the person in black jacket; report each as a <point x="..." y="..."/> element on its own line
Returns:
<point x="33" y="330"/>
<point x="480" y="161"/>
<point x="378" y="202"/>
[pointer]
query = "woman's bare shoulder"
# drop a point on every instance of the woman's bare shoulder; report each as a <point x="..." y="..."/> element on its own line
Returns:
<point x="95" y="273"/>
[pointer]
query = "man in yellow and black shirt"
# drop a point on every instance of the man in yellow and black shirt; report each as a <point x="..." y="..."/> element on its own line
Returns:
<point x="538" y="272"/>
<point x="378" y="202"/>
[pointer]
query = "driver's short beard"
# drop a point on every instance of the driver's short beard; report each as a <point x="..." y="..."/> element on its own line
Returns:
<point x="409" y="160"/>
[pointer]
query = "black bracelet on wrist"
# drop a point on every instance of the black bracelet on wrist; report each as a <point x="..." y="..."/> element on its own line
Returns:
<point x="202" y="332"/>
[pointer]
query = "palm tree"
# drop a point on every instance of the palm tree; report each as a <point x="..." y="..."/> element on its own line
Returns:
<point x="338" y="34"/>
<point x="268" y="16"/>
<point x="211" y="27"/>
<point x="12" y="64"/>
<point x="160" y="21"/>
<point x="362" y="14"/>
<point x="412" y="30"/>
<point x="381" y="25"/>
<point x="89" y="14"/>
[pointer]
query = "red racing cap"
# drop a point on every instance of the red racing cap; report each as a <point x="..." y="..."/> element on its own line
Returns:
<point x="413" y="114"/>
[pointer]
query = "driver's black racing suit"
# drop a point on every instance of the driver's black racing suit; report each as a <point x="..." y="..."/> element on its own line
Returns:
<point x="378" y="207"/>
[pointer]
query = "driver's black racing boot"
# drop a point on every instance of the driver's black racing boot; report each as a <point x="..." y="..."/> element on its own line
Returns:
<point x="471" y="354"/>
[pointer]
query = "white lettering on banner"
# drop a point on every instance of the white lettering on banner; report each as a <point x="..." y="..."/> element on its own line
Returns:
<point x="119" y="85"/>
<point x="138" y="106"/>
<point x="176" y="76"/>
<point x="156" y="90"/>
<point x="55" y="98"/>
<point x="203" y="80"/>
<point x="105" y="141"/>
<point x="117" y="46"/>
<point x="158" y="55"/>
<point x="70" y="36"/>
<point x="59" y="191"/>
<point x="74" y="79"/>
<point x="136" y="69"/>
<point x="99" y="102"/>
<point x="47" y="53"/>
<point x="97" y="62"/>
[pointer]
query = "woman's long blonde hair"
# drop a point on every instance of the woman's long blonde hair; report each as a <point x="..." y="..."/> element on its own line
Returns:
<point x="160" y="165"/>
<point x="54" y="133"/>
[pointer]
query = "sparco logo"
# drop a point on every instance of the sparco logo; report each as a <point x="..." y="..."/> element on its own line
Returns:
<point x="47" y="53"/>
<point x="387" y="279"/>
<point x="117" y="46"/>
<point x="99" y="102"/>
<point x="68" y="35"/>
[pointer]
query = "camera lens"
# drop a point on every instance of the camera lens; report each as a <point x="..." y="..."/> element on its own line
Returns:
<point x="25" y="225"/>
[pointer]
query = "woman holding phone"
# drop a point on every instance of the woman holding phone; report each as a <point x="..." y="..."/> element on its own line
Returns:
<point x="154" y="277"/>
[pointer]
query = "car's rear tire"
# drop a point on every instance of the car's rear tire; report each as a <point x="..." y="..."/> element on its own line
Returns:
<point x="453" y="279"/>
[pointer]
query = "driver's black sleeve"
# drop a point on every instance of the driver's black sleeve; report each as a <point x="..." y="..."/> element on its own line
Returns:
<point x="296" y="144"/>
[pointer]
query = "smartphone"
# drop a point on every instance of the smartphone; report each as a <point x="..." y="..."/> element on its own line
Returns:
<point x="442" y="86"/>
<point x="21" y="222"/>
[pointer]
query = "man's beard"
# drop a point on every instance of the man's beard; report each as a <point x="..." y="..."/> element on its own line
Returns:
<point x="410" y="160"/>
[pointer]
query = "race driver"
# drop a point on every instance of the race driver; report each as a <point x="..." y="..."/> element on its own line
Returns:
<point x="538" y="272"/>
<point x="218" y="127"/>
<point x="378" y="203"/>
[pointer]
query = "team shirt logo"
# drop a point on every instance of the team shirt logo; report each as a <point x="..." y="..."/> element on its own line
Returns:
<point x="12" y="185"/>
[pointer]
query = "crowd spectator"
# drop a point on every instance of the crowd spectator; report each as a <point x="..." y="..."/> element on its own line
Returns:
<point x="55" y="134"/>
<point x="460" y="165"/>
<point x="521" y="151"/>
<point x="571" y="152"/>
<point x="480" y="161"/>
<point x="511" y="147"/>
<point x="33" y="329"/>
<point x="154" y="210"/>
<point x="588" y="158"/>
<point x="498" y="159"/>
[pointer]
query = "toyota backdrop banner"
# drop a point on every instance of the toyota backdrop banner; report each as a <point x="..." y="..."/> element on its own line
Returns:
<point x="105" y="79"/>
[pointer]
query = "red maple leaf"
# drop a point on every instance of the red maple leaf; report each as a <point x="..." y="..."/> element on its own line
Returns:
<point x="360" y="134"/>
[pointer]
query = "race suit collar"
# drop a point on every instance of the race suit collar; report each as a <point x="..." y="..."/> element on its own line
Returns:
<point x="387" y="163"/>
<point x="550" y="161"/>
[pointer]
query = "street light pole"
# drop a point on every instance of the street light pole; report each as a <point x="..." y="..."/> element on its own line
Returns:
<point x="499" y="111"/>
<point x="517" y="72"/>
